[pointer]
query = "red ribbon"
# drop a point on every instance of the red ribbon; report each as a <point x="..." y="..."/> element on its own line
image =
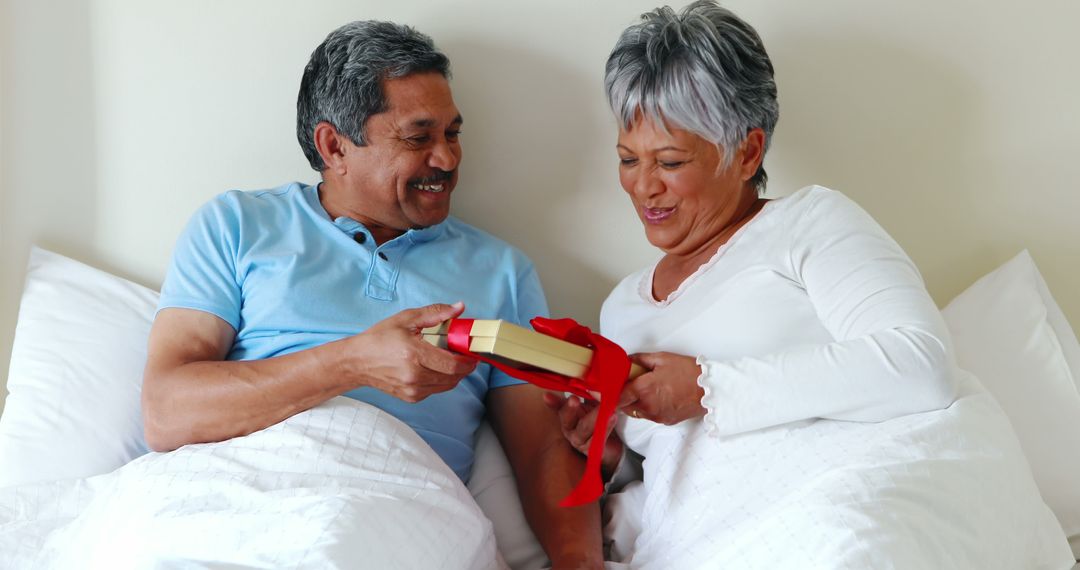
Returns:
<point x="607" y="373"/>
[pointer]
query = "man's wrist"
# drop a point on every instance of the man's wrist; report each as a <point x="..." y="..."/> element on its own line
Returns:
<point x="340" y="362"/>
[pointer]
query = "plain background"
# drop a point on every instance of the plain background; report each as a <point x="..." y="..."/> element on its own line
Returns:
<point x="956" y="124"/>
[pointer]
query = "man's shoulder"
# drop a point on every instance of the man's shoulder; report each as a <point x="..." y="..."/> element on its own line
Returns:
<point x="482" y="242"/>
<point x="234" y="206"/>
<point x="269" y="198"/>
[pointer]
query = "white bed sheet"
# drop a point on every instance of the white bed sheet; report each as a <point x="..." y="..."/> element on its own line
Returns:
<point x="944" y="489"/>
<point x="941" y="489"/>
<point x="295" y="495"/>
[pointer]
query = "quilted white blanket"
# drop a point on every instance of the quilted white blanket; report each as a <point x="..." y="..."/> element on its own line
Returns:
<point x="297" y="495"/>
<point x="944" y="489"/>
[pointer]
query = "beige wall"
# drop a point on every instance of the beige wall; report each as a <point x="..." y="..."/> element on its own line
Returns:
<point x="955" y="123"/>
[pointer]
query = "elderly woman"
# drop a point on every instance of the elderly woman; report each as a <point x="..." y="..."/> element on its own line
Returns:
<point x="762" y="315"/>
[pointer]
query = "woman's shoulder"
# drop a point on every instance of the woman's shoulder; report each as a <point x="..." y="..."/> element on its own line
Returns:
<point x="812" y="197"/>
<point x="811" y="204"/>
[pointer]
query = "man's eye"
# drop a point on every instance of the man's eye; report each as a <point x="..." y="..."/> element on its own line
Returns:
<point x="418" y="140"/>
<point x="452" y="135"/>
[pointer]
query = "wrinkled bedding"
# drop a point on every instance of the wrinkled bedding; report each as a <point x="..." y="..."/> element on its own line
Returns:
<point x="943" y="489"/>
<point x="295" y="495"/>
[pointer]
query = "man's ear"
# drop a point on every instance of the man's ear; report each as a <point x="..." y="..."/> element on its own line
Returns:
<point x="331" y="146"/>
<point x="753" y="151"/>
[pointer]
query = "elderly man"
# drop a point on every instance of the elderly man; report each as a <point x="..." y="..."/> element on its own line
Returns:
<point x="278" y="300"/>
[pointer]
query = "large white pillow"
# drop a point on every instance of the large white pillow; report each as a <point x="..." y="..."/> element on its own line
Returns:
<point x="72" y="408"/>
<point x="1012" y="335"/>
<point x="493" y="486"/>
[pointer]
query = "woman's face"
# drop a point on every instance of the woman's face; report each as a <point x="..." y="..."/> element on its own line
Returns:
<point x="682" y="194"/>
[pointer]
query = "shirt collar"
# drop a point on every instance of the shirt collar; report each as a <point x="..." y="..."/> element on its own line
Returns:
<point x="351" y="226"/>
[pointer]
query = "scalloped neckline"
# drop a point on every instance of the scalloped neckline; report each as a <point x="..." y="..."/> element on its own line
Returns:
<point x="645" y="285"/>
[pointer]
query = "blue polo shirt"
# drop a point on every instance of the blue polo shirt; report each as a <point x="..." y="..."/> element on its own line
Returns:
<point x="287" y="277"/>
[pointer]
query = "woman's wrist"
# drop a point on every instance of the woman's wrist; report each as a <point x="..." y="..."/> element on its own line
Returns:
<point x="577" y="560"/>
<point x="614" y="449"/>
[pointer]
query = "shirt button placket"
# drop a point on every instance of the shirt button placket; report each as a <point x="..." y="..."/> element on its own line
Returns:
<point x="381" y="279"/>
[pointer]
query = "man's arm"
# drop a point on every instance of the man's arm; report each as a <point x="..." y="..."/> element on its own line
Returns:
<point x="192" y="395"/>
<point x="546" y="468"/>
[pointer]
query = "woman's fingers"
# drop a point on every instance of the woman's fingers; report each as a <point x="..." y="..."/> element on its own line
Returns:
<point x="553" y="400"/>
<point x="648" y="360"/>
<point x="577" y="418"/>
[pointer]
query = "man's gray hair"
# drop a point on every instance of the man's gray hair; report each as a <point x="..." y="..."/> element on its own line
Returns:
<point x="704" y="70"/>
<point x="342" y="81"/>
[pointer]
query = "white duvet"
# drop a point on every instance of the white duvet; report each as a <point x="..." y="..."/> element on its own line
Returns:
<point x="945" y="489"/>
<point x="300" y="494"/>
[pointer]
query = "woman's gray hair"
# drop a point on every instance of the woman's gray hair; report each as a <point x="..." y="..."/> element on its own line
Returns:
<point x="703" y="70"/>
<point x="342" y="81"/>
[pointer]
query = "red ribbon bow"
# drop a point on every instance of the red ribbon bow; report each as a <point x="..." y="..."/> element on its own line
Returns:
<point x="606" y="375"/>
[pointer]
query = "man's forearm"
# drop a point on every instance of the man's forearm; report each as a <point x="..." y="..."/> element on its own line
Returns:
<point x="191" y="394"/>
<point x="216" y="400"/>
<point x="572" y="533"/>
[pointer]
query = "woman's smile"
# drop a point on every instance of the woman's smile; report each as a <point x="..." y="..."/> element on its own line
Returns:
<point x="657" y="215"/>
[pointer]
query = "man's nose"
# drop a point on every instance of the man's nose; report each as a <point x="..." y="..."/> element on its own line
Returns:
<point x="443" y="157"/>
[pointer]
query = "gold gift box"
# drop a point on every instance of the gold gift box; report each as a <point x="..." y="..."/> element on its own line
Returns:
<point x="522" y="348"/>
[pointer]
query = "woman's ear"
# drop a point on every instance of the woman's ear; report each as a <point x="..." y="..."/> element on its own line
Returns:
<point x="752" y="153"/>
<point x="331" y="147"/>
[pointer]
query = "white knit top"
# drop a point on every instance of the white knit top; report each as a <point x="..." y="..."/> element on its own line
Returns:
<point x="809" y="311"/>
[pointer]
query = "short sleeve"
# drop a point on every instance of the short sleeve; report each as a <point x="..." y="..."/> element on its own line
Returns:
<point x="528" y="302"/>
<point x="202" y="274"/>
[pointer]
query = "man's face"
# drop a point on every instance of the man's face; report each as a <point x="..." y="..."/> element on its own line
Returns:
<point x="403" y="177"/>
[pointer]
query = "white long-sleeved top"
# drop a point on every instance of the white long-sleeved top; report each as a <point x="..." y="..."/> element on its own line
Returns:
<point x="809" y="311"/>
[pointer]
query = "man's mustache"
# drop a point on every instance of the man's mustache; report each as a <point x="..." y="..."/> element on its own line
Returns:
<point x="441" y="176"/>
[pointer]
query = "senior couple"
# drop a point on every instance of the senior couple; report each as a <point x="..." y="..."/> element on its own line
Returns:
<point x="760" y="312"/>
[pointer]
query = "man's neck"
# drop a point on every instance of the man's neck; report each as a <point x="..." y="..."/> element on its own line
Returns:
<point x="330" y="198"/>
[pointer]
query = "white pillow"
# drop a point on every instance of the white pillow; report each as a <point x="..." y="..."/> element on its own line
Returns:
<point x="76" y="373"/>
<point x="73" y="408"/>
<point x="1009" y="332"/>
<point x="493" y="486"/>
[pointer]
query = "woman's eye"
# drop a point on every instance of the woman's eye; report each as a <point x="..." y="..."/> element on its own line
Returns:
<point x="628" y="161"/>
<point x="670" y="165"/>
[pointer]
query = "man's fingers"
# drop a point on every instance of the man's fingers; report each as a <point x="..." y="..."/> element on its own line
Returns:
<point x="431" y="315"/>
<point x="443" y="361"/>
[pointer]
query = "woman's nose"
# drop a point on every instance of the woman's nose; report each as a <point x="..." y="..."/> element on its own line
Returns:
<point x="646" y="185"/>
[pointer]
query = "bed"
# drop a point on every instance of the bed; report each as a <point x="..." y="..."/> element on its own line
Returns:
<point x="78" y="487"/>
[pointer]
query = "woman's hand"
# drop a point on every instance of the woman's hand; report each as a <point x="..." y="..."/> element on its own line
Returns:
<point x="668" y="393"/>
<point x="577" y="419"/>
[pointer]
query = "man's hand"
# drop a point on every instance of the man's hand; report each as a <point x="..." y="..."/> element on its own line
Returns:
<point x="577" y="419"/>
<point x="668" y="393"/>
<point x="391" y="356"/>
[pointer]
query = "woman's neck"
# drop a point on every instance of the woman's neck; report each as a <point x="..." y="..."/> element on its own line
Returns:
<point x="676" y="267"/>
